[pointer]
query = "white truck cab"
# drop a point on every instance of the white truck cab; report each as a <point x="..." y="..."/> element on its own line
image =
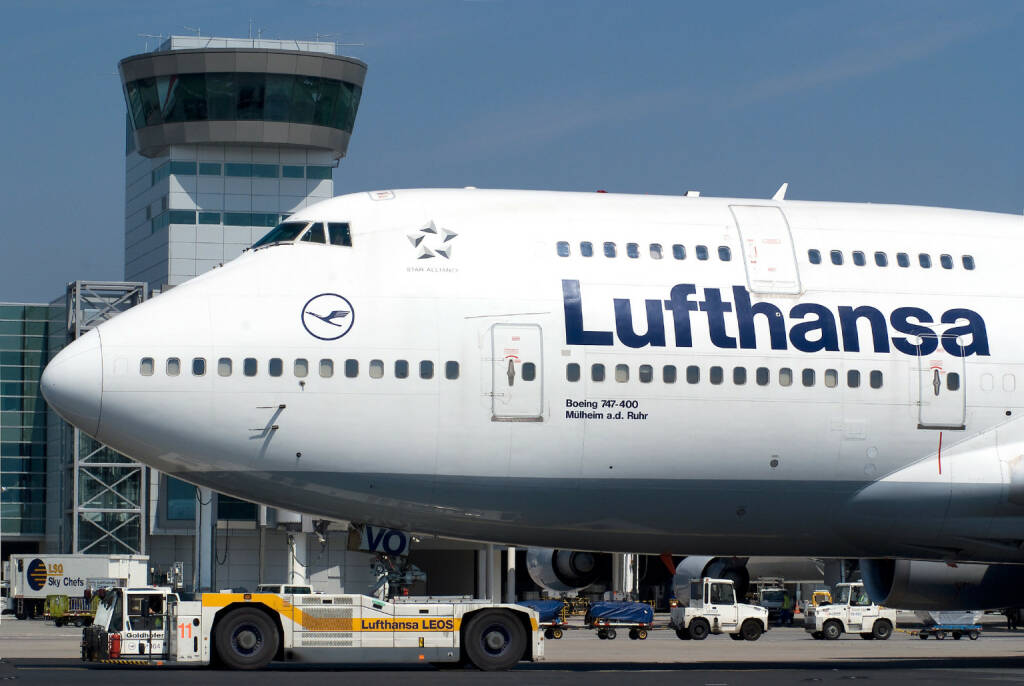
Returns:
<point x="852" y="612"/>
<point x="713" y="610"/>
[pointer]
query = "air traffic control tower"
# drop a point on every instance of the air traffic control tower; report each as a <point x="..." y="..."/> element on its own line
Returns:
<point x="225" y="137"/>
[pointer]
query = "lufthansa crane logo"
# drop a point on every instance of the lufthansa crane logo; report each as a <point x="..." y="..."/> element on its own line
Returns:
<point x="328" y="316"/>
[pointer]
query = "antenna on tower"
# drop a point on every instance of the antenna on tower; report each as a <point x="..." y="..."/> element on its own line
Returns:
<point x="147" y="36"/>
<point x="193" y="28"/>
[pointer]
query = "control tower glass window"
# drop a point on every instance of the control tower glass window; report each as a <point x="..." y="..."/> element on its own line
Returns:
<point x="225" y="96"/>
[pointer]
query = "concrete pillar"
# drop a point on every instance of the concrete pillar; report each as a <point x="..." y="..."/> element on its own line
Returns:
<point x="204" y="571"/>
<point x="510" y="575"/>
<point x="298" y="558"/>
<point x="629" y="576"/>
<point x="617" y="572"/>
<point x="494" y="573"/>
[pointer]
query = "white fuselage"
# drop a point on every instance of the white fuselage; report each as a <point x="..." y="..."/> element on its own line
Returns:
<point x="809" y="427"/>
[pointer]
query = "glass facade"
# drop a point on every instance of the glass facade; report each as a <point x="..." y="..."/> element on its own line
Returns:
<point x="24" y="340"/>
<point x="227" y="96"/>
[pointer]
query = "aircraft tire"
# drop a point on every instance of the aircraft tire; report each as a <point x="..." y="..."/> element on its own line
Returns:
<point x="699" y="629"/>
<point x="494" y="640"/>
<point x="882" y="629"/>
<point x="246" y="639"/>
<point x="832" y="630"/>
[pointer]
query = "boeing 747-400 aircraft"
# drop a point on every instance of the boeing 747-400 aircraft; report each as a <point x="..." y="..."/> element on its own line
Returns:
<point x="601" y="372"/>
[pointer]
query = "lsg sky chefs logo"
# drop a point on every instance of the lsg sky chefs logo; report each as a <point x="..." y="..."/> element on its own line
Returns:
<point x="328" y="316"/>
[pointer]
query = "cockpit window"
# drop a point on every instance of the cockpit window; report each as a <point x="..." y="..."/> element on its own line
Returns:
<point x="315" y="234"/>
<point x="340" y="234"/>
<point x="283" y="233"/>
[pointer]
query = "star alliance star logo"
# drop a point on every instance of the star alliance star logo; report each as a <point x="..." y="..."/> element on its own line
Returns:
<point x="431" y="241"/>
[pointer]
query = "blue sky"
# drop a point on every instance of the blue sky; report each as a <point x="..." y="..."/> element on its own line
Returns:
<point x="916" y="102"/>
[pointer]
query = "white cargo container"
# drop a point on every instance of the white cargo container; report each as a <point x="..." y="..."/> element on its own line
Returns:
<point x="33" y="577"/>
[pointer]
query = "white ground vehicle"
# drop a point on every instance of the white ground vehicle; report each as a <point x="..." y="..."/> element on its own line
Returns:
<point x="713" y="610"/>
<point x="852" y="612"/>
<point x="33" y="577"/>
<point x="248" y="630"/>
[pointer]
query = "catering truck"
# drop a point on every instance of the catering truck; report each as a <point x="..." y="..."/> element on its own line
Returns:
<point x="151" y="624"/>
<point x="33" y="577"/>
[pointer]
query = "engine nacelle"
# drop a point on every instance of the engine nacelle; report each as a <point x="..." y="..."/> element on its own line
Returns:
<point x="699" y="566"/>
<point x="567" y="570"/>
<point x="926" y="585"/>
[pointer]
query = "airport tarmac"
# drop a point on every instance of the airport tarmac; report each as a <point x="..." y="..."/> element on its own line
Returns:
<point x="36" y="652"/>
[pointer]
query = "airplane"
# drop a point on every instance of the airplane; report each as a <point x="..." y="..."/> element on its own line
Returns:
<point x="601" y="372"/>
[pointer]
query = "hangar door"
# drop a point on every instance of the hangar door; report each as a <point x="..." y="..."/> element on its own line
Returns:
<point x="768" y="253"/>
<point x="517" y="378"/>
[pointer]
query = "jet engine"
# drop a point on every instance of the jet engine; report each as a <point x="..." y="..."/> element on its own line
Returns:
<point x="698" y="566"/>
<point x="567" y="570"/>
<point x="924" y="585"/>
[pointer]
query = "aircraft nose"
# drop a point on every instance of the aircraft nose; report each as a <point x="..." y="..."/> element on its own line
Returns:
<point x="73" y="383"/>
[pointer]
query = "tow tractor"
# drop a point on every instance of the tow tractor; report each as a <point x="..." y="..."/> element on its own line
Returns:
<point x="153" y="625"/>
<point x="852" y="612"/>
<point x="713" y="610"/>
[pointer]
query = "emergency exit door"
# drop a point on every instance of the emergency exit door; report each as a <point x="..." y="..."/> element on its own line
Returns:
<point x="942" y="388"/>
<point x="517" y="373"/>
<point x="767" y="249"/>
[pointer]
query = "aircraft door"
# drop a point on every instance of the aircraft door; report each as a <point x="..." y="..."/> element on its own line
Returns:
<point x="942" y="390"/>
<point x="768" y="253"/>
<point x="517" y="373"/>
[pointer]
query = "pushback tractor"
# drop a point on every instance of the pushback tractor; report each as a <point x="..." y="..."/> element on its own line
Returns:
<point x="713" y="610"/>
<point x="852" y="612"/>
<point x="249" y="630"/>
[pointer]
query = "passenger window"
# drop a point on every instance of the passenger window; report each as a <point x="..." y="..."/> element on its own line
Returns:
<point x="224" y="366"/>
<point x="953" y="381"/>
<point x="679" y="251"/>
<point x="724" y="253"/>
<point x="301" y="368"/>
<point x="831" y="378"/>
<point x="925" y="260"/>
<point x="875" y="378"/>
<point x="376" y="369"/>
<point x="315" y="234"/>
<point x="702" y="252"/>
<point x="693" y="374"/>
<point x="946" y="261"/>
<point x="632" y="250"/>
<point x="198" y="366"/>
<point x="968" y="262"/>
<point x="249" y="366"/>
<point x="858" y="258"/>
<point x="739" y="375"/>
<point x="716" y="375"/>
<point x="785" y="376"/>
<point x="597" y="372"/>
<point x="451" y="370"/>
<point x="655" y="251"/>
<point x="563" y="249"/>
<point x="401" y="369"/>
<point x="275" y="367"/>
<point x="587" y="249"/>
<point x="853" y="378"/>
<point x="572" y="372"/>
<point x="836" y="256"/>
<point x="987" y="382"/>
<point x="351" y="368"/>
<point x="609" y="249"/>
<point x="903" y="259"/>
<point x="881" y="259"/>
<point x="529" y="371"/>
<point x="668" y="373"/>
<point x="173" y="366"/>
<point x="763" y="376"/>
<point x="646" y="373"/>
<point x="426" y="369"/>
<point x="807" y="378"/>
<point x="814" y="256"/>
<point x="326" y="368"/>
<point x="340" y="234"/>
<point x="146" y="366"/>
<point x="622" y="373"/>
<point x="1009" y="383"/>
